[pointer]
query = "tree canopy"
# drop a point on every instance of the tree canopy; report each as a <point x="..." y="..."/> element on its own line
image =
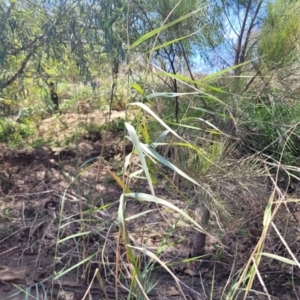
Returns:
<point x="88" y="33"/>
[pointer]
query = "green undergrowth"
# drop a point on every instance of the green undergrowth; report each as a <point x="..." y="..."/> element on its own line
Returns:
<point x="222" y="152"/>
<point x="14" y="133"/>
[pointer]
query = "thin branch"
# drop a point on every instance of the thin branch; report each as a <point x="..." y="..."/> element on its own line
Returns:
<point x="252" y="23"/>
<point x="241" y="34"/>
<point x="20" y="71"/>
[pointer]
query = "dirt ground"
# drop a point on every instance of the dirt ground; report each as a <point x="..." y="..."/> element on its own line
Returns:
<point x="42" y="197"/>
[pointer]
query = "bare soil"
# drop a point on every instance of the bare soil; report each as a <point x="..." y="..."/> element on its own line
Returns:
<point x="42" y="197"/>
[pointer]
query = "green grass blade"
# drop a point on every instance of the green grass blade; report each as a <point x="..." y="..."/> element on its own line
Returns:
<point x="147" y="149"/>
<point x="185" y="79"/>
<point x="138" y="88"/>
<point x="173" y="41"/>
<point x="279" y="258"/>
<point x="162" y="136"/>
<point x="62" y="273"/>
<point x="161" y="28"/>
<point x="159" y="120"/>
<point x="121" y="211"/>
<point x="136" y="216"/>
<point x="157" y="200"/>
<point x="169" y="95"/>
<point x="137" y="145"/>
<point x="73" y="236"/>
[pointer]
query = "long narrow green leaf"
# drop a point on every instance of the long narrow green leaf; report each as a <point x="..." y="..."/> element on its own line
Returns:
<point x="173" y="41"/>
<point x="73" y="236"/>
<point x="121" y="211"/>
<point x="164" y="161"/>
<point x="280" y="258"/>
<point x="216" y="74"/>
<point x="137" y="145"/>
<point x="189" y="80"/>
<point x="209" y="124"/>
<point x="157" y="200"/>
<point x="62" y="273"/>
<point x="122" y="224"/>
<point x="208" y="112"/>
<point x="127" y="161"/>
<point x="179" y="78"/>
<point x="161" y="28"/>
<point x="158" y="119"/>
<point x="185" y="126"/>
<point x="267" y="215"/>
<point x="138" y="88"/>
<point x="162" y="136"/>
<point x="170" y="95"/>
<point x="136" y="216"/>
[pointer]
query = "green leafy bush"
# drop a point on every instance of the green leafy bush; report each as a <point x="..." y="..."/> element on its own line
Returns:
<point x="93" y="127"/>
<point x="13" y="132"/>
